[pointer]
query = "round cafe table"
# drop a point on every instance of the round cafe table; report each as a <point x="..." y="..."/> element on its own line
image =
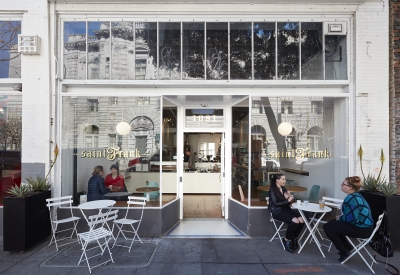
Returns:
<point x="290" y="188"/>
<point x="147" y="190"/>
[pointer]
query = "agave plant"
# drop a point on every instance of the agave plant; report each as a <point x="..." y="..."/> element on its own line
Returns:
<point x="388" y="189"/>
<point x="372" y="183"/>
<point x="19" y="191"/>
<point x="39" y="184"/>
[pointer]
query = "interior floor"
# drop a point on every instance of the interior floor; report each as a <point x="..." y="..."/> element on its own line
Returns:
<point x="202" y="206"/>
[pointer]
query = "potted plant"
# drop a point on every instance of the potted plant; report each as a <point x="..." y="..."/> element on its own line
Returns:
<point x="26" y="218"/>
<point x="382" y="196"/>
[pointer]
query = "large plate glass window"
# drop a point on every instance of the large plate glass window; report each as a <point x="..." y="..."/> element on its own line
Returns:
<point x="74" y="50"/>
<point x="335" y="57"/>
<point x="145" y="51"/>
<point x="98" y="138"/>
<point x="122" y="50"/>
<point x="314" y="150"/>
<point x="99" y="54"/>
<point x="10" y="58"/>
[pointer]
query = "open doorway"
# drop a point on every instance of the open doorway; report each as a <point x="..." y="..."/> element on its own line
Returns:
<point x="202" y="186"/>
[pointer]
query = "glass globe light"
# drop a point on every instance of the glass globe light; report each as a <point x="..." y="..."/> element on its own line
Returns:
<point x="285" y="128"/>
<point x="123" y="128"/>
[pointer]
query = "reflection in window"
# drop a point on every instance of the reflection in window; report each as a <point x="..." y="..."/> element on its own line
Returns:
<point x="170" y="50"/>
<point x="264" y="50"/>
<point x="99" y="50"/>
<point x="287" y="107"/>
<point x="122" y="49"/>
<point x="113" y="101"/>
<point x="335" y="57"/>
<point x="217" y="50"/>
<point x="193" y="50"/>
<point x="93" y="105"/>
<point x="145" y="50"/>
<point x="92" y="136"/>
<point x="311" y="51"/>
<point x="240" y="50"/>
<point x="75" y="50"/>
<point x="316" y="107"/>
<point x="314" y="138"/>
<point x="10" y="59"/>
<point x="291" y="140"/>
<point x="288" y="50"/>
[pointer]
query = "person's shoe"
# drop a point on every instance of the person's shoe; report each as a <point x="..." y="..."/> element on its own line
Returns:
<point x="343" y="256"/>
<point x="288" y="245"/>
<point x="295" y="243"/>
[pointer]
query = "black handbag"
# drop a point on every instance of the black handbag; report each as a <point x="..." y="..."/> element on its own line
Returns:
<point x="77" y="197"/>
<point x="381" y="240"/>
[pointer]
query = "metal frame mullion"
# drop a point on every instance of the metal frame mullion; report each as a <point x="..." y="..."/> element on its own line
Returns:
<point x="299" y="50"/>
<point x="205" y="50"/>
<point x="87" y="50"/>
<point x="323" y="48"/>
<point x="158" y="51"/>
<point x="249" y="155"/>
<point x="110" y="66"/>
<point x="181" y="31"/>
<point x="229" y="50"/>
<point x="252" y="50"/>
<point x="276" y="50"/>
<point x="134" y="50"/>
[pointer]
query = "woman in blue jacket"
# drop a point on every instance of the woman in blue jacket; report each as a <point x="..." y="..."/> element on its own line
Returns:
<point x="96" y="188"/>
<point x="356" y="220"/>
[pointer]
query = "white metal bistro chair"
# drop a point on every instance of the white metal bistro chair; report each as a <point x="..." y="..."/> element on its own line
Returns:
<point x="100" y="235"/>
<point x="333" y="203"/>
<point x="132" y="201"/>
<point x="278" y="230"/>
<point x="363" y="243"/>
<point x="55" y="203"/>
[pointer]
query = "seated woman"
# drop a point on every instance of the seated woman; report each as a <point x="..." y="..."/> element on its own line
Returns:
<point x="279" y="206"/>
<point x="115" y="179"/>
<point x="356" y="220"/>
<point x="96" y="188"/>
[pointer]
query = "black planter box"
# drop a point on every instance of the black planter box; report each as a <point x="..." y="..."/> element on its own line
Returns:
<point x="391" y="205"/>
<point x="26" y="221"/>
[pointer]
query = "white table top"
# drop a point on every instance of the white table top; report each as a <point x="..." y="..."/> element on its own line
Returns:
<point x="97" y="204"/>
<point x="312" y="207"/>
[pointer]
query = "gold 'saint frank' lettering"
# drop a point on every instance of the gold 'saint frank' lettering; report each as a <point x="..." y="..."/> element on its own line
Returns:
<point x="300" y="153"/>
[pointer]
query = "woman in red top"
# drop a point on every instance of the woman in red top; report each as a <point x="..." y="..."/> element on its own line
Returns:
<point x="115" y="179"/>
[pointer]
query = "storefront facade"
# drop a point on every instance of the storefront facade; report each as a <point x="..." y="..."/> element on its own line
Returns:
<point x="139" y="88"/>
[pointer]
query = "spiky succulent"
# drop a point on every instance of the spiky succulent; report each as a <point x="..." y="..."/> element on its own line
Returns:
<point x="19" y="191"/>
<point x="39" y="184"/>
<point x="388" y="189"/>
<point x="371" y="183"/>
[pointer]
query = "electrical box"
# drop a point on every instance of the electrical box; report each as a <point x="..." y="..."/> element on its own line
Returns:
<point x="28" y="44"/>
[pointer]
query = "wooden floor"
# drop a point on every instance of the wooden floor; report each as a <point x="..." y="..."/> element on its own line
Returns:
<point x="202" y="206"/>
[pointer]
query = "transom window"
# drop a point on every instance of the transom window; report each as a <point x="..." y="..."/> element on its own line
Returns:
<point x="203" y="51"/>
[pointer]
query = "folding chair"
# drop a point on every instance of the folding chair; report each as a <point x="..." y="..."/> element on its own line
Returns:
<point x="278" y="230"/>
<point x="55" y="203"/>
<point x="125" y="221"/>
<point x="99" y="235"/>
<point x="333" y="203"/>
<point x="363" y="243"/>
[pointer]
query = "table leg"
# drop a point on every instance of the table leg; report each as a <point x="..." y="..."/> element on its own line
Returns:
<point x="311" y="230"/>
<point x="147" y="196"/>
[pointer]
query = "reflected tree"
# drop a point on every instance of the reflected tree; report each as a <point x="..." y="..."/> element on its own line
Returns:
<point x="10" y="63"/>
<point x="10" y="133"/>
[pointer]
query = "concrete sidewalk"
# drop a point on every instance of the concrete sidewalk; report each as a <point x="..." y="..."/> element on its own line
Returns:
<point x="195" y="257"/>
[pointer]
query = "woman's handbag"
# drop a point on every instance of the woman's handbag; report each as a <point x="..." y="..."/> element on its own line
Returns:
<point x="381" y="241"/>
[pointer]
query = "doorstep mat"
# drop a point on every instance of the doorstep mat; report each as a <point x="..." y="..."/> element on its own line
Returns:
<point x="141" y="255"/>
<point x="204" y="228"/>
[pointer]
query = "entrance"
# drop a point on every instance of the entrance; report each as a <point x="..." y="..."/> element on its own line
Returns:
<point x="203" y="181"/>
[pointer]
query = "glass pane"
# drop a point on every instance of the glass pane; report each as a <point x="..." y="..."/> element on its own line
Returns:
<point x="288" y="50"/>
<point x="122" y="49"/>
<point x="99" y="50"/>
<point x="10" y="143"/>
<point x="217" y="51"/>
<point x="193" y="50"/>
<point x="170" y="50"/>
<point x="169" y="152"/>
<point x="335" y="57"/>
<point x="10" y="58"/>
<point x="240" y="50"/>
<point x="145" y="50"/>
<point x="264" y="50"/>
<point x="240" y="154"/>
<point x="318" y="144"/>
<point x="75" y="50"/>
<point x="312" y="67"/>
<point x="81" y="152"/>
